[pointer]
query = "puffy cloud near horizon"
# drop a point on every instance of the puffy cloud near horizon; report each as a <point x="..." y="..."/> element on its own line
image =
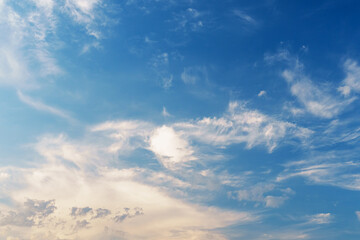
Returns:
<point x="79" y="176"/>
<point x="98" y="203"/>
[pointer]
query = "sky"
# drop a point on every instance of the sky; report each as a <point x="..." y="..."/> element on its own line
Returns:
<point x="179" y="119"/>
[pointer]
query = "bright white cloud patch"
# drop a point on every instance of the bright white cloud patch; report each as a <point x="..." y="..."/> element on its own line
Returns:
<point x="170" y="148"/>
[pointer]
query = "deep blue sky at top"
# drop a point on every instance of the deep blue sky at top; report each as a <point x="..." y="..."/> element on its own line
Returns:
<point x="232" y="50"/>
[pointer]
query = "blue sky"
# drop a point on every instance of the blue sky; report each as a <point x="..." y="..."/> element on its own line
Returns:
<point x="179" y="119"/>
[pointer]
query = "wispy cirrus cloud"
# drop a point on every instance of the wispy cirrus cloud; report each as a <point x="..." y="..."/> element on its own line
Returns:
<point x="30" y="37"/>
<point x="160" y="65"/>
<point x="88" y="14"/>
<point x="263" y="193"/>
<point x="351" y="83"/>
<point x="334" y="168"/>
<point x="245" y="17"/>
<point x="320" y="218"/>
<point x="171" y="144"/>
<point x="27" y="29"/>
<point x="44" y="107"/>
<point x="241" y="125"/>
<point x="319" y="100"/>
<point x="190" y="19"/>
<point x="193" y="75"/>
<point x="357" y="213"/>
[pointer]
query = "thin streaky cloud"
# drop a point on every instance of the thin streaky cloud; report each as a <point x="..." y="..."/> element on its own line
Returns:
<point x="245" y="17"/>
<point x="44" y="107"/>
<point x="165" y="113"/>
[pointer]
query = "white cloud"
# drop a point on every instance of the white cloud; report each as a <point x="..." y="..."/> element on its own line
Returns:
<point x="190" y="20"/>
<point x="95" y="200"/>
<point x="175" y="145"/>
<point x="170" y="148"/>
<point x="167" y="81"/>
<point x="160" y="65"/>
<point x="192" y="75"/>
<point x="125" y="135"/>
<point x="165" y="113"/>
<point x="261" y="93"/>
<point x="33" y="213"/>
<point x="358" y="215"/>
<point x="102" y="203"/>
<point x="285" y="235"/>
<point x="245" y="17"/>
<point x="317" y="100"/>
<point x="275" y="201"/>
<point x="13" y="71"/>
<point x="109" y="189"/>
<point x="294" y="110"/>
<point x="331" y="168"/>
<point x="352" y="80"/>
<point x="320" y="218"/>
<point x="30" y="40"/>
<point x="240" y="125"/>
<point x="43" y="107"/>
<point x="87" y="47"/>
<point x="46" y="4"/>
<point x="260" y="193"/>
<point x="85" y="12"/>
<point x="255" y="193"/>
<point x="26" y="45"/>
